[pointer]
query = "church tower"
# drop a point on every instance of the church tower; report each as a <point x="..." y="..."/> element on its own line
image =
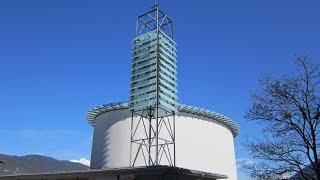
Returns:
<point x="153" y="90"/>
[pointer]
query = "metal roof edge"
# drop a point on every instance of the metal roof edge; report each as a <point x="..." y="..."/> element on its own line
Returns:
<point x="124" y="170"/>
<point x="234" y="127"/>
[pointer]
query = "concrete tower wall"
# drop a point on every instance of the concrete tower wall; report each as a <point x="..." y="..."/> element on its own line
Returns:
<point x="201" y="144"/>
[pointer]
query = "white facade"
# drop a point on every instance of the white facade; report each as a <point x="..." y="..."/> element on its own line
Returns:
<point x="203" y="144"/>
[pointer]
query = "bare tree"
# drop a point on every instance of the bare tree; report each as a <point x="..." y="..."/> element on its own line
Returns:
<point x="289" y="109"/>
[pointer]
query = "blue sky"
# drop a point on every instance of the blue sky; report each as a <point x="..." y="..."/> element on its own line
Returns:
<point x="60" y="58"/>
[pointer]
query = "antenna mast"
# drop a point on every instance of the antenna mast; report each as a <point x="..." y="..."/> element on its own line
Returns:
<point x="155" y="4"/>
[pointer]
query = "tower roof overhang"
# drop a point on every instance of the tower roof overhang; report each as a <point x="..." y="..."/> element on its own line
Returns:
<point x="182" y="108"/>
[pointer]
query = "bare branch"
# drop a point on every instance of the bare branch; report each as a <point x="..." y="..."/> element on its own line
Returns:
<point x="288" y="108"/>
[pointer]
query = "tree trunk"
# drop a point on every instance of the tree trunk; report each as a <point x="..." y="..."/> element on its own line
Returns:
<point x="318" y="171"/>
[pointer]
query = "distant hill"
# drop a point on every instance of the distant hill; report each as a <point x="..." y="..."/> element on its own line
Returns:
<point x="36" y="164"/>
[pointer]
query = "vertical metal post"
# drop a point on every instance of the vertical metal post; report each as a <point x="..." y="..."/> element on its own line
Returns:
<point x="150" y="125"/>
<point x="131" y="140"/>
<point x="172" y="32"/>
<point x="157" y="104"/>
<point x="137" y="27"/>
<point x="174" y="140"/>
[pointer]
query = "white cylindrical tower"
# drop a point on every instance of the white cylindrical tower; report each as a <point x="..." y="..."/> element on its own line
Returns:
<point x="204" y="139"/>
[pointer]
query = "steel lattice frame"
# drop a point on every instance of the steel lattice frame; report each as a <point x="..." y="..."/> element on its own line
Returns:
<point x="155" y="142"/>
<point x="153" y="100"/>
<point x="154" y="19"/>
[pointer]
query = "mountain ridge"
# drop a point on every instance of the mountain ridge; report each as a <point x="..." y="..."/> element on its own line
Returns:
<point x="33" y="163"/>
